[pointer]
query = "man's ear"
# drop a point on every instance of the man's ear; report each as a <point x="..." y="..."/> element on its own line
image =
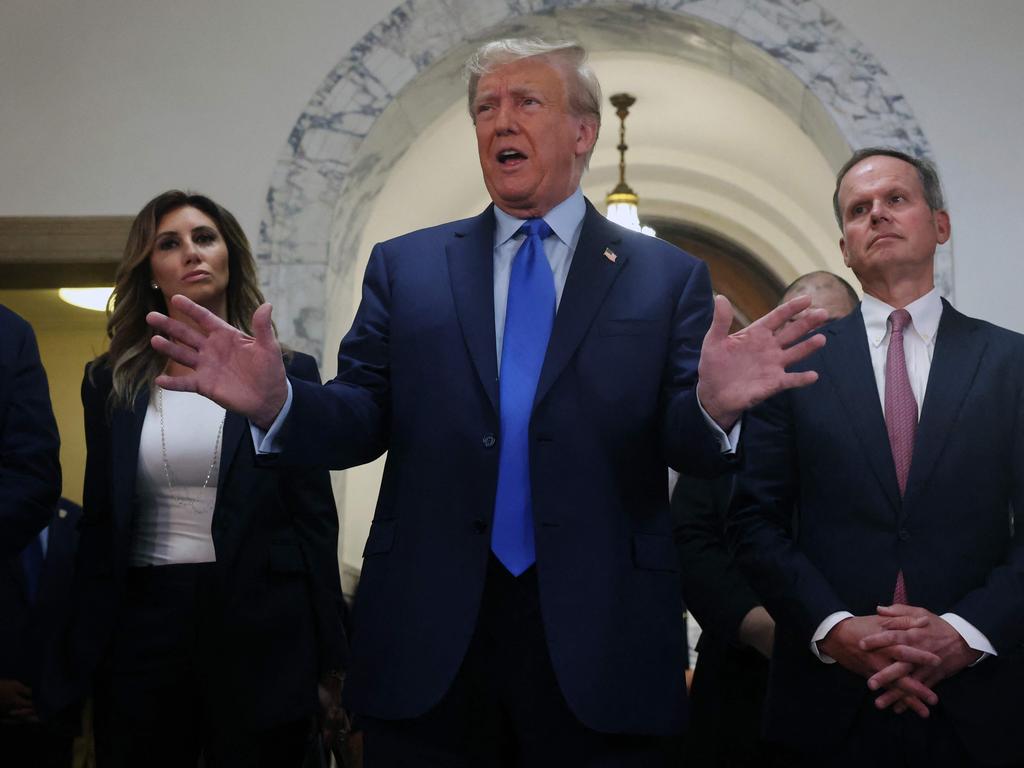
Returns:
<point x="586" y="135"/>
<point x="842" y="247"/>
<point x="943" y="227"/>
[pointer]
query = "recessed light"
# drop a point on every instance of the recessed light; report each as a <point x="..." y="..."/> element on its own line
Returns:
<point x="87" y="298"/>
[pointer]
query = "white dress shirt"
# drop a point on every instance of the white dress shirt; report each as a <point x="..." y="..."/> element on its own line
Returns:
<point x="918" y="348"/>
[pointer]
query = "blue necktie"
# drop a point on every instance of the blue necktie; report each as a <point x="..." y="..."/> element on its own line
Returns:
<point x="529" y="315"/>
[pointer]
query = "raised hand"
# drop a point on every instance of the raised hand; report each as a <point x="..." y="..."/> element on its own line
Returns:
<point x="740" y="370"/>
<point x="242" y="373"/>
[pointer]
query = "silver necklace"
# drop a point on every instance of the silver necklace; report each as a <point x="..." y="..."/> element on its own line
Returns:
<point x="163" y="449"/>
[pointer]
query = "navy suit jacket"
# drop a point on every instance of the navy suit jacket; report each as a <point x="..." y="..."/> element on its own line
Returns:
<point x="26" y="644"/>
<point x="29" y="444"/>
<point x="615" y="403"/>
<point x="275" y="534"/>
<point x="824" y="449"/>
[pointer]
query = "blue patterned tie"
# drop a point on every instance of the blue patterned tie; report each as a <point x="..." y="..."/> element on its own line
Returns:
<point x="529" y="315"/>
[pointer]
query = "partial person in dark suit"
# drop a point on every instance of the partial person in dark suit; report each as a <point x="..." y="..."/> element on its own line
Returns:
<point x="35" y="590"/>
<point x="209" y="601"/>
<point x="899" y="598"/>
<point x="737" y="633"/>
<point x="29" y="443"/>
<point x="519" y="599"/>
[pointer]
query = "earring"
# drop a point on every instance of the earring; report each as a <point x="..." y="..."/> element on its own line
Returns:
<point x="154" y="286"/>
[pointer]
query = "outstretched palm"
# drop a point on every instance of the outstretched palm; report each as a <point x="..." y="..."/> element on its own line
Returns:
<point x="242" y="373"/>
<point x="742" y="369"/>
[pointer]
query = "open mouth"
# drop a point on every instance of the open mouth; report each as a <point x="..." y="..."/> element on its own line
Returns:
<point x="510" y="156"/>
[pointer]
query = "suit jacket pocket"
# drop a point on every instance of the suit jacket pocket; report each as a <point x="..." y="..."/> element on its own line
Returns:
<point x="381" y="538"/>
<point x="655" y="553"/>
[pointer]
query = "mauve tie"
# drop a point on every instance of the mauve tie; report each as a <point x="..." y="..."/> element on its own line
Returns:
<point x="900" y="416"/>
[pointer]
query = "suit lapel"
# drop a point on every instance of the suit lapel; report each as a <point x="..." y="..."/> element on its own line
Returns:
<point x="235" y="429"/>
<point x="590" y="277"/>
<point x="954" y="366"/>
<point x="471" y="271"/>
<point x="126" y="430"/>
<point x="848" y="361"/>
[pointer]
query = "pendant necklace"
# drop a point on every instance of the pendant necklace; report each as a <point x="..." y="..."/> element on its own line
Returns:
<point x="163" y="448"/>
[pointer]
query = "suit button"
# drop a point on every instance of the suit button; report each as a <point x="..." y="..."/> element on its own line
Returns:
<point x="489" y="440"/>
<point x="479" y="526"/>
<point x="904" y="534"/>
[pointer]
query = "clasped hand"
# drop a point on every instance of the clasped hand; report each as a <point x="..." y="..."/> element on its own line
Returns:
<point x="903" y="651"/>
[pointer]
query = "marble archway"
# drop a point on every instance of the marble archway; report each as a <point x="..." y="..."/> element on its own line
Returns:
<point x="364" y="115"/>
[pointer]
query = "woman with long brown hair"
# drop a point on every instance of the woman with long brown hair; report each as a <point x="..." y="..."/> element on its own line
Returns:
<point x="209" y="599"/>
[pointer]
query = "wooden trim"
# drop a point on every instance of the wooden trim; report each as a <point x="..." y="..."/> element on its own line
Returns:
<point x="58" y="251"/>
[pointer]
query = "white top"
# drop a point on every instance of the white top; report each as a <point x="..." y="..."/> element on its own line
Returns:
<point x="172" y="524"/>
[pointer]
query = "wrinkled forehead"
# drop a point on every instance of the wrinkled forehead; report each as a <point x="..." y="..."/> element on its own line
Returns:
<point x="534" y="73"/>
<point x="879" y="172"/>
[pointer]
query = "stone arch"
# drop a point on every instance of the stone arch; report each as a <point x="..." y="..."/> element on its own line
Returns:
<point x="365" y="113"/>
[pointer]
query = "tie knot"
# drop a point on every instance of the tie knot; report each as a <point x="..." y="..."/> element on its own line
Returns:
<point x="899" y="319"/>
<point x="536" y="228"/>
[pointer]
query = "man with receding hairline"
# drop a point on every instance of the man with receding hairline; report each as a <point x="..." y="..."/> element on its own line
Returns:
<point x="827" y="290"/>
<point x="898" y="590"/>
<point x="530" y="372"/>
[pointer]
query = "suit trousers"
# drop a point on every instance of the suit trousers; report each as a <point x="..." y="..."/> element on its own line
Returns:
<point x="152" y="698"/>
<point x="883" y="739"/>
<point x="504" y="708"/>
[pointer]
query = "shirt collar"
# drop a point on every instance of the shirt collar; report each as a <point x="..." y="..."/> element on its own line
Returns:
<point x="924" y="317"/>
<point x="564" y="219"/>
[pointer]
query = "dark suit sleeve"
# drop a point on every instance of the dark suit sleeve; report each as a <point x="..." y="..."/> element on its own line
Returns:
<point x="29" y="445"/>
<point x="316" y="524"/>
<point x="714" y="588"/>
<point x="997" y="608"/>
<point x="356" y="403"/>
<point x="760" y="523"/>
<point x="689" y="444"/>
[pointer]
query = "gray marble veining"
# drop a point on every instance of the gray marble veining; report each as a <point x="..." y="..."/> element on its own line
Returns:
<point x="393" y="83"/>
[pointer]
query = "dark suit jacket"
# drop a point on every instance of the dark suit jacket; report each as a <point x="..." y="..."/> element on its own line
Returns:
<point x="26" y="642"/>
<point x="418" y="377"/>
<point x="728" y="689"/>
<point x="825" y="449"/>
<point x="275" y="534"/>
<point x="29" y="444"/>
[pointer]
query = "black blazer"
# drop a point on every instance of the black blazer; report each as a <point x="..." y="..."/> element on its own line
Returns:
<point x="276" y="537"/>
<point x="29" y="444"/>
<point x="824" y="449"/>
<point x="615" y="403"/>
<point x="26" y="644"/>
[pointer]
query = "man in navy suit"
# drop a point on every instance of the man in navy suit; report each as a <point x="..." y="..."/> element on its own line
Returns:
<point x="29" y="444"/>
<point x="530" y="372"/>
<point x="898" y="590"/>
<point x="29" y="489"/>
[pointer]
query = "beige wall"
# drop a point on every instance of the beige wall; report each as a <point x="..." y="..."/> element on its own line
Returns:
<point x="64" y="355"/>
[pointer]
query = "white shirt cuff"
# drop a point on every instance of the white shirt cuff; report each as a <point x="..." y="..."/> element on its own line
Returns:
<point x="726" y="442"/>
<point x="823" y="629"/>
<point x="266" y="442"/>
<point x="971" y="635"/>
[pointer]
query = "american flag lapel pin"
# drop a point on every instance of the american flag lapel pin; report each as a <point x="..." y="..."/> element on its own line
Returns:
<point x="610" y="255"/>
